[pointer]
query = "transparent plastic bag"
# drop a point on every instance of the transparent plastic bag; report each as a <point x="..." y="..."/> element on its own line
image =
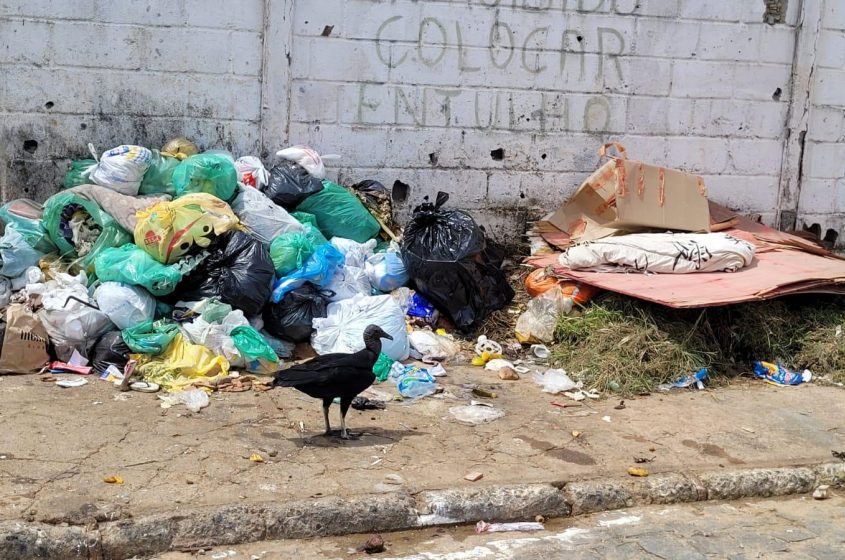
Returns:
<point x="386" y="272"/>
<point x="475" y="415"/>
<point x="537" y="323"/>
<point x="265" y="220"/>
<point x="348" y="282"/>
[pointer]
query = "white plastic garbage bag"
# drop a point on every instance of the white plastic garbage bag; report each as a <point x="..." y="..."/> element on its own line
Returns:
<point x="347" y="283"/>
<point x="70" y="319"/>
<point x="251" y="172"/>
<point x="126" y="306"/>
<point x="343" y="328"/>
<point x="121" y="168"/>
<point x="216" y="336"/>
<point x="266" y="220"/>
<point x="355" y="254"/>
<point x="307" y="158"/>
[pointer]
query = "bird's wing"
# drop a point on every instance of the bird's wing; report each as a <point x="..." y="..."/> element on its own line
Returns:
<point x="325" y="369"/>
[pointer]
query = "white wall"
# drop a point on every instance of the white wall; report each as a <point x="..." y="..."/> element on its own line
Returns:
<point x="423" y="91"/>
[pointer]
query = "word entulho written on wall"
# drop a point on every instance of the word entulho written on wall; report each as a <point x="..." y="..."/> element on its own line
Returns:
<point x="564" y="67"/>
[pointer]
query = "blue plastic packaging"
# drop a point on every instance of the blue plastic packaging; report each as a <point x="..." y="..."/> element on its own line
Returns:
<point x="413" y="381"/>
<point x="779" y="375"/>
<point x="319" y="269"/>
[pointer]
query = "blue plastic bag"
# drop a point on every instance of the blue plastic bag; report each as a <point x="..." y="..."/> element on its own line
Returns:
<point x="780" y="375"/>
<point x="413" y="381"/>
<point x="386" y="272"/>
<point x="319" y="269"/>
<point x="17" y="255"/>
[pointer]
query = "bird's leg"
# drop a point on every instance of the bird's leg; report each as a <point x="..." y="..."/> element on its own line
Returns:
<point x="344" y="408"/>
<point x="326" y="404"/>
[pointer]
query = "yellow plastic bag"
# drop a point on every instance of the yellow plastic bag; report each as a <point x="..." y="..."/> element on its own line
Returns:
<point x="168" y="230"/>
<point x="182" y="365"/>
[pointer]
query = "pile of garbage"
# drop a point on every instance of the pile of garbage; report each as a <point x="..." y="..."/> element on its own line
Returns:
<point x="188" y="268"/>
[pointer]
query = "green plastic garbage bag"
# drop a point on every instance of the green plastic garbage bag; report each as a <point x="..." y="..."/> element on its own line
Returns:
<point x="258" y="355"/>
<point x="80" y="228"/>
<point x="382" y="367"/>
<point x="207" y="173"/>
<point x="159" y="175"/>
<point x="132" y="265"/>
<point x="25" y="216"/>
<point x="78" y="173"/>
<point x="309" y="222"/>
<point x="339" y="213"/>
<point x="289" y="251"/>
<point x="150" y="337"/>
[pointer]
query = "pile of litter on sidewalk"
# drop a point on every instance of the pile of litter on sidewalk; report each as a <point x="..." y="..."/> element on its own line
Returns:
<point x="202" y="271"/>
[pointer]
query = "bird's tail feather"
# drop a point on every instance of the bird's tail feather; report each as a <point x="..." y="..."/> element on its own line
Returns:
<point x="292" y="378"/>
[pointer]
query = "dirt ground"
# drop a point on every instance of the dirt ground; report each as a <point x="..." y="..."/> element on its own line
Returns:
<point x="57" y="445"/>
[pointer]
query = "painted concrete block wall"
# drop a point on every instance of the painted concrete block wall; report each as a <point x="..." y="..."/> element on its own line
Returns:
<point x="822" y="199"/>
<point x="504" y="103"/>
<point x="122" y="72"/>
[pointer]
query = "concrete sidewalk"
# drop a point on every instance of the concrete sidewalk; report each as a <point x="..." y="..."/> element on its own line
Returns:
<point x="57" y="445"/>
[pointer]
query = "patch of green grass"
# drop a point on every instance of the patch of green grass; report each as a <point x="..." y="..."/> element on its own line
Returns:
<point x="627" y="346"/>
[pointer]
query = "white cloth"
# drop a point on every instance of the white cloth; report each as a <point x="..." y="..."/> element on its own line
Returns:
<point x="670" y="253"/>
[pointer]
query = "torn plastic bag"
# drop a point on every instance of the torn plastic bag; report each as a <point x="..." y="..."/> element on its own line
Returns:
<point x="168" y="230"/>
<point x="251" y="172"/>
<point x="444" y="254"/>
<point x="74" y="325"/>
<point x="386" y="272"/>
<point x="121" y="207"/>
<point x="264" y="219"/>
<point x="348" y="282"/>
<point x="238" y="270"/>
<point x="110" y="350"/>
<point x="125" y="305"/>
<point x="26" y="216"/>
<point x="16" y="253"/>
<point x="78" y="173"/>
<point x="339" y="213"/>
<point x="290" y="184"/>
<point x="291" y="318"/>
<point x="319" y="269"/>
<point x="289" y="252"/>
<point x="181" y="365"/>
<point x="130" y="265"/>
<point x="343" y="328"/>
<point x="257" y="354"/>
<point x="354" y="253"/>
<point x="150" y="337"/>
<point x="122" y="168"/>
<point x="79" y="227"/>
<point x="212" y="174"/>
<point x="159" y="175"/>
<point x="537" y="323"/>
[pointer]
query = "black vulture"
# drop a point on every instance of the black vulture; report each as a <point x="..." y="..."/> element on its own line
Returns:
<point x="330" y="376"/>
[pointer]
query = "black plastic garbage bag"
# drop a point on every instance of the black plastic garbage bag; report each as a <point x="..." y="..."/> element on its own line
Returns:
<point x="110" y="350"/>
<point x="445" y="254"/>
<point x="290" y="319"/>
<point x="238" y="270"/>
<point x="290" y="184"/>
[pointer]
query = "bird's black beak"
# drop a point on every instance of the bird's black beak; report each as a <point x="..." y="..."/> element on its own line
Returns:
<point x="387" y="336"/>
